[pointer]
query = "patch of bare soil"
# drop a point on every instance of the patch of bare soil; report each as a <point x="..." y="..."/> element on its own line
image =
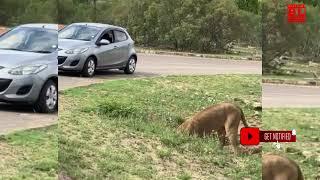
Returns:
<point x="63" y="176"/>
<point x="7" y="158"/>
<point x="174" y="163"/>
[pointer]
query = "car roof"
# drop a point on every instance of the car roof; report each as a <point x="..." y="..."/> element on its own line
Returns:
<point x="39" y="25"/>
<point x="104" y="26"/>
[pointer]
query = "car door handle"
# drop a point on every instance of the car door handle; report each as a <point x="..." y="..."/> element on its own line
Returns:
<point x="115" y="47"/>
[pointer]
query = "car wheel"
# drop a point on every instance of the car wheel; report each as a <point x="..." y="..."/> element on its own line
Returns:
<point x="48" y="98"/>
<point x="131" y="65"/>
<point x="89" y="67"/>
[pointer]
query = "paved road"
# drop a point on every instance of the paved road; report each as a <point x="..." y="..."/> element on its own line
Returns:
<point x="18" y="117"/>
<point x="165" y="65"/>
<point x="156" y="65"/>
<point x="14" y="118"/>
<point x="290" y="96"/>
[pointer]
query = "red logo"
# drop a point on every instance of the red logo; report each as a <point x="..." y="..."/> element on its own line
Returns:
<point x="249" y="136"/>
<point x="296" y="13"/>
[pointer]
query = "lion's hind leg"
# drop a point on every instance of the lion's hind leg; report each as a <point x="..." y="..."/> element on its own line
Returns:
<point x="231" y="127"/>
<point x="222" y="137"/>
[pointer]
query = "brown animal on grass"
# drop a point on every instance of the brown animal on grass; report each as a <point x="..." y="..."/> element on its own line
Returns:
<point x="276" y="167"/>
<point x="222" y="118"/>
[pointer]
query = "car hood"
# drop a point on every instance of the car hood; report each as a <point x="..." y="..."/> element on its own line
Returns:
<point x="65" y="44"/>
<point x="10" y="58"/>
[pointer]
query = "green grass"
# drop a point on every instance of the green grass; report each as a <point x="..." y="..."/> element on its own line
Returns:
<point x="306" y="151"/>
<point x="300" y="67"/>
<point x="126" y="129"/>
<point x="31" y="154"/>
<point x="295" y="70"/>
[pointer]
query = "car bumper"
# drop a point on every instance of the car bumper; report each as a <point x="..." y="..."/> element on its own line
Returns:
<point x="71" y="62"/>
<point x="23" y="89"/>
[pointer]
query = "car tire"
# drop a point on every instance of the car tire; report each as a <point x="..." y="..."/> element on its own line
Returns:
<point x="131" y="65"/>
<point x="89" y="67"/>
<point x="48" y="98"/>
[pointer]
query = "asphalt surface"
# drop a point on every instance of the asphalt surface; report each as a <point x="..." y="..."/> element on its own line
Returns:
<point x="157" y="65"/>
<point x="290" y="96"/>
<point x="13" y="117"/>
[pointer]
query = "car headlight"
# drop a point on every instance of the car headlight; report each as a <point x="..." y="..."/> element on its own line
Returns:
<point x="76" y="51"/>
<point x="29" y="69"/>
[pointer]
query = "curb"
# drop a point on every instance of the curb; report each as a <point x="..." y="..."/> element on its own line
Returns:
<point x="292" y="82"/>
<point x="231" y="57"/>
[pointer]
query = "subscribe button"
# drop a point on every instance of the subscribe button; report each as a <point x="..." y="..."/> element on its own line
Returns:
<point x="249" y="136"/>
<point x="253" y="136"/>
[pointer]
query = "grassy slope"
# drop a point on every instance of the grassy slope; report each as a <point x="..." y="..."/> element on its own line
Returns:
<point x="31" y="154"/>
<point x="307" y="149"/>
<point x="236" y="53"/>
<point x="126" y="146"/>
<point x="298" y="72"/>
<point x="126" y="129"/>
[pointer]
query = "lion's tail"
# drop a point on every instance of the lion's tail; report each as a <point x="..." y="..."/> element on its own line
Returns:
<point x="243" y="118"/>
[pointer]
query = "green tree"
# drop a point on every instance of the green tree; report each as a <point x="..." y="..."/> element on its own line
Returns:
<point x="279" y="36"/>
<point x="185" y="25"/>
<point x="249" y="5"/>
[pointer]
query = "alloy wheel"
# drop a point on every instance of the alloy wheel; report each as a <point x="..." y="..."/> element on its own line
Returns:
<point x="51" y="97"/>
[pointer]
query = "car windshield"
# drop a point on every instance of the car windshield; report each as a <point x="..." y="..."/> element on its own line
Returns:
<point x="36" y="40"/>
<point x="79" y="32"/>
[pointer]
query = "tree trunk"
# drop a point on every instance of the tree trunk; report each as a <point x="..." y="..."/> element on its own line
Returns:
<point x="95" y="10"/>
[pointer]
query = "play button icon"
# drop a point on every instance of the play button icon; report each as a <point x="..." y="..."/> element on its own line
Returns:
<point x="249" y="136"/>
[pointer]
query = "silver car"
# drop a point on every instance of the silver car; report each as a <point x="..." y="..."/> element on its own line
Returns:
<point x="87" y="47"/>
<point x="28" y="66"/>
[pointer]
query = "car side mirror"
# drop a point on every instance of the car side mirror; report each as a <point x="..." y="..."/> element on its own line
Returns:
<point x="103" y="42"/>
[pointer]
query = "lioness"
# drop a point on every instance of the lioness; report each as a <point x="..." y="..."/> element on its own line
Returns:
<point x="276" y="167"/>
<point x="222" y="118"/>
